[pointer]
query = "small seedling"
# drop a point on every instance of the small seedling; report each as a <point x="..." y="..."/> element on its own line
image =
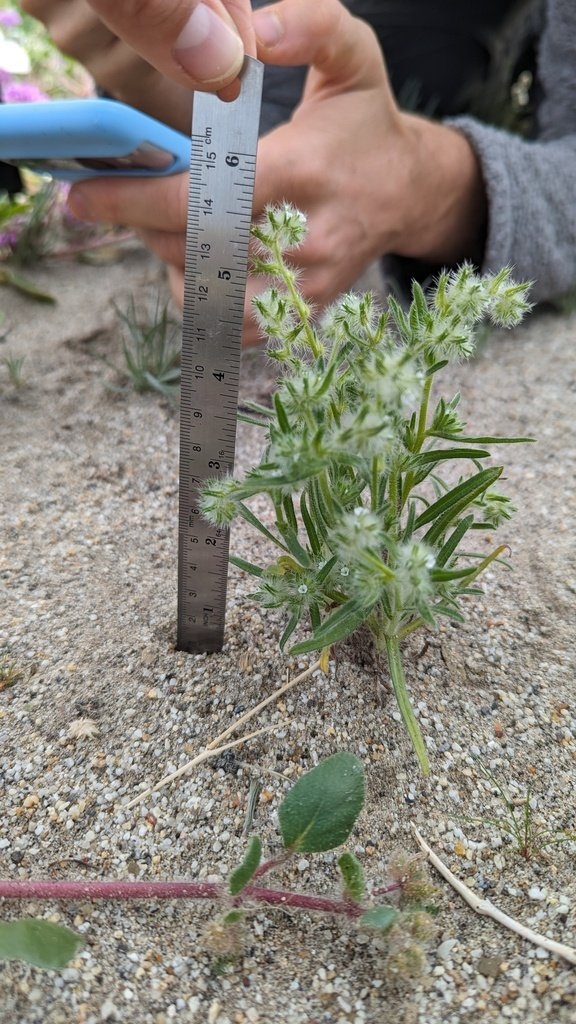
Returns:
<point x="316" y="815"/>
<point x="529" y="836"/>
<point x="374" y="488"/>
<point x="14" y="366"/>
<point x="152" y="348"/>
<point x="9" y="672"/>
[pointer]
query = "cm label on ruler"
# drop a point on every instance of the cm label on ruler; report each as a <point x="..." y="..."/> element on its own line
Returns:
<point x="222" y="171"/>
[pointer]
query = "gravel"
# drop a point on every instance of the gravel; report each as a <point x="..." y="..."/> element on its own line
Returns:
<point x="103" y="707"/>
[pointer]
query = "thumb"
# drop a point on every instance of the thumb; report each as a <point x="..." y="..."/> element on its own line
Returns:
<point x="342" y="50"/>
<point x="198" y="43"/>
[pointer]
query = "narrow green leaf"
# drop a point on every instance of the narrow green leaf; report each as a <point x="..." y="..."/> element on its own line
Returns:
<point x="241" y="563"/>
<point x="335" y="627"/>
<point x="283" y="421"/>
<point x="290" y="512"/>
<point x="447" y="575"/>
<point x="352" y="877"/>
<point x="292" y="623"/>
<point x="449" y="611"/>
<point x="447" y="436"/>
<point x="326" y="569"/>
<point x="256" y="421"/>
<point x="450" y="505"/>
<point x="450" y="545"/>
<point x="315" y="619"/>
<point x="23" y="285"/>
<point x="293" y="544"/>
<point x="444" y="454"/>
<point x="436" y="367"/>
<point x="241" y="875"/>
<point x="309" y="526"/>
<point x="469" y="489"/>
<point x="38" y="942"/>
<point x="410" y="520"/>
<point x="249" y="517"/>
<point x="381" y="918"/>
<point x="320" y="810"/>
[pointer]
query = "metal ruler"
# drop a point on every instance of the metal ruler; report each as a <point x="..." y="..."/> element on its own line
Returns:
<point x="223" y="164"/>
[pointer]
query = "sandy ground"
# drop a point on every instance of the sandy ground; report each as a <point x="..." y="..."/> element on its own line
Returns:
<point x="88" y="573"/>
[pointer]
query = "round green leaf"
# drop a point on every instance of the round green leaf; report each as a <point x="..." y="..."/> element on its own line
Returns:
<point x="320" y="810"/>
<point x="38" y="942"/>
<point x="381" y="918"/>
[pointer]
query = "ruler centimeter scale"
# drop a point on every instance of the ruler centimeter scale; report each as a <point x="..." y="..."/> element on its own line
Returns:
<point x="222" y="171"/>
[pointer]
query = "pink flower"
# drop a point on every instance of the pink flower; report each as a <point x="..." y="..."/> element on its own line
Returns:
<point x="10" y="18"/>
<point x="22" y="92"/>
<point x="9" y="236"/>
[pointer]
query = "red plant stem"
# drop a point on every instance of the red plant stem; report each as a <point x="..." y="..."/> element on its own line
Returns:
<point x="47" y="890"/>
<point x="274" y="862"/>
<point x="385" y="889"/>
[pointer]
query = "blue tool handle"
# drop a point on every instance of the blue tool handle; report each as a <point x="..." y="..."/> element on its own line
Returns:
<point x="74" y="139"/>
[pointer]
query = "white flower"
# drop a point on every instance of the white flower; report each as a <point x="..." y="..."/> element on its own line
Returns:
<point x="13" y="57"/>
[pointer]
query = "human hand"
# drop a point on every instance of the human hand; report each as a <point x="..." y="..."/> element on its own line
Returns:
<point x="370" y="178"/>
<point x="115" y="66"/>
<point x="198" y="43"/>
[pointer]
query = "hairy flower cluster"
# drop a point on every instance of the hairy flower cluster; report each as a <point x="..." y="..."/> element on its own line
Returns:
<point x="412" y="565"/>
<point x="282" y="228"/>
<point x="462" y="299"/>
<point x="219" y="500"/>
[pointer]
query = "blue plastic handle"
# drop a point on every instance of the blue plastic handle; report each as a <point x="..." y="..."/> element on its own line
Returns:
<point x="73" y="139"/>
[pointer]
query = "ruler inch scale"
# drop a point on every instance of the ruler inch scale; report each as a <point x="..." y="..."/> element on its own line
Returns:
<point x="222" y="172"/>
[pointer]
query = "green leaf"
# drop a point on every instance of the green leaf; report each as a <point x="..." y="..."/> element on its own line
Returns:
<point x="242" y="874"/>
<point x="309" y="526"/>
<point x="450" y="505"/>
<point x="320" y="810"/>
<point x="436" y="367"/>
<point x="233" y="917"/>
<point x="352" y="877"/>
<point x="449" y="547"/>
<point x="326" y="569"/>
<point x="291" y="626"/>
<point x="460" y="496"/>
<point x="283" y="421"/>
<point x="443" y="454"/>
<point x="447" y="436"/>
<point x="381" y="918"/>
<point x="253" y="520"/>
<point x="335" y="627"/>
<point x="38" y="942"/>
<point x="299" y="554"/>
<point x="241" y="563"/>
<point x="23" y="285"/>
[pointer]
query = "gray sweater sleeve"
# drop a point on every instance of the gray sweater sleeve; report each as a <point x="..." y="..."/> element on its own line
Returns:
<point x="531" y="184"/>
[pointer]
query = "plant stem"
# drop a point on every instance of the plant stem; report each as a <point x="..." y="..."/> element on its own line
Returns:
<point x="288" y="278"/>
<point x="399" y="685"/>
<point x="86" y="890"/>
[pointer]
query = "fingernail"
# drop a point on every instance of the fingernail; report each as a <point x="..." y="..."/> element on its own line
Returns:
<point x="207" y="48"/>
<point x="268" y="27"/>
